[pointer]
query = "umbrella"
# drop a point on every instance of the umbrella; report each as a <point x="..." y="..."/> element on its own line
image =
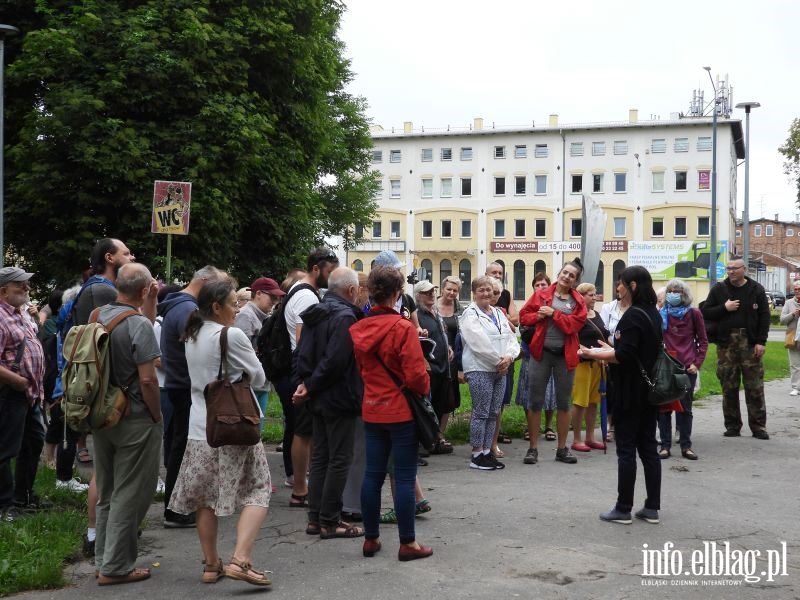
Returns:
<point x="603" y="408"/>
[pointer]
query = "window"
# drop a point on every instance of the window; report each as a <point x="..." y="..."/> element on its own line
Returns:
<point x="446" y="154"/>
<point x="541" y="185"/>
<point x="466" y="228"/>
<point x="680" y="181"/>
<point x="703" y="226"/>
<point x="499" y="151"/>
<point x="620" y="182"/>
<point x="704" y="144"/>
<point x="445" y="269"/>
<point x="597" y="183"/>
<point x="377" y="156"/>
<point x="680" y="226"/>
<point x="619" y="226"/>
<point x="704" y="179"/>
<point x="466" y="186"/>
<point x="657" y="227"/>
<point x="519" y="280"/>
<point x="358" y="265"/>
<point x="738" y="233"/>
<point x="576" y="149"/>
<point x="465" y="275"/>
<point x="499" y="186"/>
<point x="519" y="227"/>
<point x="576" y="228"/>
<point x="395" y="156"/>
<point x="658" y="146"/>
<point x="789" y="232"/>
<point x="395" y="183"/>
<point x="427" y="187"/>
<point x="621" y="147"/>
<point x="519" y="184"/>
<point x="540" y="227"/>
<point x="598" y="281"/>
<point x="769" y="230"/>
<point x="499" y="228"/>
<point x="466" y="153"/>
<point x="681" y="144"/>
<point x="658" y="181"/>
<point x="428" y="266"/>
<point x="379" y="189"/>
<point x="427" y="229"/>
<point x="447" y="228"/>
<point x="598" y="148"/>
<point x="446" y="187"/>
<point x="540" y="151"/>
<point x="427" y="155"/>
<point x="359" y="230"/>
<point x="520" y="151"/>
<point x="376" y="229"/>
<point x="577" y="184"/>
<point x="394" y="229"/>
<point x="757" y="231"/>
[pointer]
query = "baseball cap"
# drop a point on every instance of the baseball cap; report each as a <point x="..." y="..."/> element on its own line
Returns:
<point x="387" y="258"/>
<point x="268" y="285"/>
<point x="9" y="274"/>
<point x="423" y="287"/>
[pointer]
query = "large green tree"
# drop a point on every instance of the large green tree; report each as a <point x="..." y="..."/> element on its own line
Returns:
<point x="245" y="99"/>
<point x="791" y="150"/>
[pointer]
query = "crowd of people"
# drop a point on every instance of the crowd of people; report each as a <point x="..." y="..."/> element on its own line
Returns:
<point x="355" y="355"/>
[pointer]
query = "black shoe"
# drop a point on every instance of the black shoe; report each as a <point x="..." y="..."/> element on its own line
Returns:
<point x="492" y="460"/>
<point x="173" y="520"/>
<point x="88" y="547"/>
<point x="33" y="503"/>
<point x="482" y="463"/>
<point x="421" y="462"/>
<point x="565" y="456"/>
<point x="761" y="434"/>
<point x="10" y="514"/>
<point x="616" y="516"/>
<point x="732" y="433"/>
<point x="531" y="456"/>
<point x="352" y="517"/>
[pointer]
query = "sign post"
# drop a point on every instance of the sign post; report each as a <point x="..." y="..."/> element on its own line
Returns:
<point x="171" y="200"/>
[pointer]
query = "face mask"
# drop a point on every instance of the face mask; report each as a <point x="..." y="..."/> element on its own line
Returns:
<point x="673" y="298"/>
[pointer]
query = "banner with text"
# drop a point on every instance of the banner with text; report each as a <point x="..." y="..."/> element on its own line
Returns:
<point x="686" y="260"/>
<point x="171" y="200"/>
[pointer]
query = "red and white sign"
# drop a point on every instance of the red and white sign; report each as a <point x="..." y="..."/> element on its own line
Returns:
<point x="171" y="200"/>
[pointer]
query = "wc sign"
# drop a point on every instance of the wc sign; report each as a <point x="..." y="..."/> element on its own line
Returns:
<point x="171" y="200"/>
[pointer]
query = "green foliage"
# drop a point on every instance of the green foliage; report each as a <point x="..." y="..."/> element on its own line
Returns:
<point x="246" y="101"/>
<point x="791" y="151"/>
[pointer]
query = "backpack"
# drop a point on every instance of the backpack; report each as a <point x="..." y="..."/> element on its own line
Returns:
<point x="90" y="400"/>
<point x="273" y="345"/>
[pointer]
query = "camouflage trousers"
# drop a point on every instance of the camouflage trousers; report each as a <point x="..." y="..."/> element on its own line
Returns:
<point x="736" y="363"/>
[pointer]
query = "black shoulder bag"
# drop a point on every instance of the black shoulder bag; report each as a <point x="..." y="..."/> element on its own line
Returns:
<point x="668" y="380"/>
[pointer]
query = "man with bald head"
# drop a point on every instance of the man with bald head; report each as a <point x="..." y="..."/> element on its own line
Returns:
<point x="329" y="384"/>
<point x="127" y="455"/>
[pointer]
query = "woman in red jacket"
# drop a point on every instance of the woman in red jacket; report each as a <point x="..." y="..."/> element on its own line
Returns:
<point x="389" y="356"/>
<point x="558" y="312"/>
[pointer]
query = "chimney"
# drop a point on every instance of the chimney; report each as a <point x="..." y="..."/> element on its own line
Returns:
<point x="477" y="123"/>
<point x="776" y="216"/>
<point x="553" y="121"/>
<point x="633" y="115"/>
<point x="408" y="127"/>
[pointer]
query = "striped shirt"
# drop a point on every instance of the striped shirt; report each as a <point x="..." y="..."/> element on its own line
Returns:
<point x="15" y="327"/>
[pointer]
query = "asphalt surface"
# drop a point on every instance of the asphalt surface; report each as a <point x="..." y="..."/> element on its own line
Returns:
<point x="529" y="531"/>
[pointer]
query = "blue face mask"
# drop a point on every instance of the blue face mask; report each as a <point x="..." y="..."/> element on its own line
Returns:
<point x="673" y="298"/>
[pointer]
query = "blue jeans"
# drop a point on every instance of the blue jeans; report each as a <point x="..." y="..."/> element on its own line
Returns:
<point x="683" y="420"/>
<point x="381" y="440"/>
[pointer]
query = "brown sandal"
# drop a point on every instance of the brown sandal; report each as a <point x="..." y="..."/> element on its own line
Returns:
<point x="348" y="531"/>
<point x="247" y="573"/>
<point x="133" y="576"/>
<point x="213" y="573"/>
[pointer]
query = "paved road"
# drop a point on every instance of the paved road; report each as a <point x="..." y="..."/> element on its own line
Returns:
<point x="527" y="531"/>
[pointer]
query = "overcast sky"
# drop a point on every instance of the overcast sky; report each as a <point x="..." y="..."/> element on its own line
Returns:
<point x="513" y="62"/>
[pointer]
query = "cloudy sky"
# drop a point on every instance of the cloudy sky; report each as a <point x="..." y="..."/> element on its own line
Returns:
<point x="513" y="62"/>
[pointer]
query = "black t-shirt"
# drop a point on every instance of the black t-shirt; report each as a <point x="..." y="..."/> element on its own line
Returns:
<point x="738" y="318"/>
<point x="505" y="300"/>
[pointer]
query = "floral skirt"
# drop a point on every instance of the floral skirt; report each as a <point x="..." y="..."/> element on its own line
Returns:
<point x="224" y="479"/>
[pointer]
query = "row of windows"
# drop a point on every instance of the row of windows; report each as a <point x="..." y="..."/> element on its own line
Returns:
<point x="618" y="147"/>
<point x="769" y="231"/>
<point x="680" y="228"/>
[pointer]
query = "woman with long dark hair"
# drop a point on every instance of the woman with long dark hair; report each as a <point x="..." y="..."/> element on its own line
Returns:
<point x="215" y="482"/>
<point x="635" y="342"/>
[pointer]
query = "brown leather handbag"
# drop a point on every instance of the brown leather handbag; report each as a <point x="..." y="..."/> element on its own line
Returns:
<point x="232" y="416"/>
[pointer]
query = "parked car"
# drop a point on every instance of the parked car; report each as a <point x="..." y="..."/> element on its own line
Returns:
<point x="778" y="297"/>
<point x="770" y="301"/>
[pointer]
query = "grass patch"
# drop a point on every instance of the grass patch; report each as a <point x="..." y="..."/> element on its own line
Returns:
<point x="35" y="548"/>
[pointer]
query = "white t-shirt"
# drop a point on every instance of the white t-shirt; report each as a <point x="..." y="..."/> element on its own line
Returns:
<point x="297" y="304"/>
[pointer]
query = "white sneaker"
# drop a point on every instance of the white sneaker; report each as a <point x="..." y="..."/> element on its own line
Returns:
<point x="73" y="485"/>
<point x="160" y="486"/>
<point x="794" y="392"/>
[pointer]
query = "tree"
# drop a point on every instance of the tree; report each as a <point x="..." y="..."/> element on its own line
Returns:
<point x="791" y="150"/>
<point x="244" y="99"/>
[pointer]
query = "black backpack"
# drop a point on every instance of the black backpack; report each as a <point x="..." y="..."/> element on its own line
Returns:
<point x="273" y="346"/>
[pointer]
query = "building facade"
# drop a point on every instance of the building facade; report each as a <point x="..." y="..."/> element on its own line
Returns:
<point x="454" y="201"/>
<point x="774" y="252"/>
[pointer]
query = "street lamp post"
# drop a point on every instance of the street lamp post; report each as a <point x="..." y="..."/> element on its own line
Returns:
<point x="5" y="30"/>
<point x="746" y="217"/>
<point x="712" y="263"/>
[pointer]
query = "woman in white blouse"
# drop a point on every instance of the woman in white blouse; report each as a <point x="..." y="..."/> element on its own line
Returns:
<point x="215" y="482"/>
